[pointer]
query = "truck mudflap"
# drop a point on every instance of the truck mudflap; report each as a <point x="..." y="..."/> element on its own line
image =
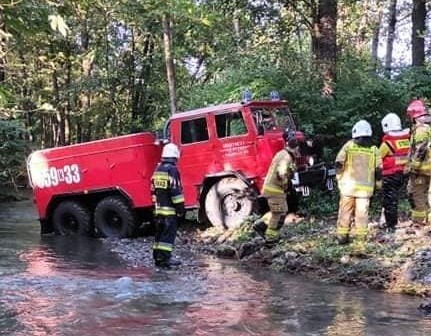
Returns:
<point x="317" y="175"/>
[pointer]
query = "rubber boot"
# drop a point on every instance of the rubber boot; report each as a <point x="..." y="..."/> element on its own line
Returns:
<point x="164" y="259"/>
<point x="260" y="227"/>
<point x="272" y="237"/>
<point x="342" y="239"/>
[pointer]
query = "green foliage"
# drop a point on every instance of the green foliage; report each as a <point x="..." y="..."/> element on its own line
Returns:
<point x="13" y="150"/>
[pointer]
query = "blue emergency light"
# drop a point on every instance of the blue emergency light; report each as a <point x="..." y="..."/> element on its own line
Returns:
<point x="247" y="96"/>
<point x="274" y="95"/>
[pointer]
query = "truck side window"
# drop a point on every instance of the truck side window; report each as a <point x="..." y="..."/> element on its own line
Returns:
<point x="230" y="124"/>
<point x="195" y="130"/>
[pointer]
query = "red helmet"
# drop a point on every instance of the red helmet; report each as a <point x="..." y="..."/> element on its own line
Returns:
<point x="416" y="109"/>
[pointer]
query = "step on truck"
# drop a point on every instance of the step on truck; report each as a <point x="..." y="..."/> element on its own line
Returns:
<point x="103" y="187"/>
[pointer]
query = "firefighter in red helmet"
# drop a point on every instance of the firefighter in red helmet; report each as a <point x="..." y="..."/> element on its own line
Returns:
<point x="419" y="165"/>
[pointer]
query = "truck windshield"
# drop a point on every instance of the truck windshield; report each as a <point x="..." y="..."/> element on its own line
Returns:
<point x="273" y="118"/>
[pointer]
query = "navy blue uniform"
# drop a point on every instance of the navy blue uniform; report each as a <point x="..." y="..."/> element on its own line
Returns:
<point x="169" y="204"/>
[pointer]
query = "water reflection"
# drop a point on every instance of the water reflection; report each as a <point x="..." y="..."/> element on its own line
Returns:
<point x="62" y="286"/>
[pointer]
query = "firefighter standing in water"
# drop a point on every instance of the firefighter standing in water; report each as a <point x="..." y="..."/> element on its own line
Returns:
<point x="276" y="185"/>
<point x="169" y="205"/>
<point x="394" y="152"/>
<point x="419" y="165"/>
<point x="358" y="166"/>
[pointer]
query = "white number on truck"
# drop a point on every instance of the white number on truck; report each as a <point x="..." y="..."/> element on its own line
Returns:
<point x="52" y="177"/>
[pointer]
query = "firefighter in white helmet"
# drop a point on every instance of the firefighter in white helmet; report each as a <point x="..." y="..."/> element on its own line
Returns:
<point x="169" y="205"/>
<point x="394" y="152"/>
<point x="358" y="166"/>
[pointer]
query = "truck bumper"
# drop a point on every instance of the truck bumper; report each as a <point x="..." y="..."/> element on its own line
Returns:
<point x="319" y="175"/>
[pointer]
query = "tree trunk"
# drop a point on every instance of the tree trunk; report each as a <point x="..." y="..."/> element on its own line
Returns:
<point x="170" y="67"/>
<point x="391" y="35"/>
<point x="418" y="32"/>
<point x="324" y="43"/>
<point x="2" y="47"/>
<point x="376" y="30"/>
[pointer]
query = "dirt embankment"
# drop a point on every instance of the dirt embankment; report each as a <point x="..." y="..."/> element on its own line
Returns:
<point x="397" y="262"/>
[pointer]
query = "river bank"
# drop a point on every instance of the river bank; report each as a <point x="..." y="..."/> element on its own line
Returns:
<point x="397" y="262"/>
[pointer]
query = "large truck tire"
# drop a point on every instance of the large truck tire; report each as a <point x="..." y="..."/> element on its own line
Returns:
<point x="228" y="203"/>
<point x="71" y="218"/>
<point x="113" y="218"/>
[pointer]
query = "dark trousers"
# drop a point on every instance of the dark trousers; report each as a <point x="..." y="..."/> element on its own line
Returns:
<point x="392" y="185"/>
<point x="164" y="239"/>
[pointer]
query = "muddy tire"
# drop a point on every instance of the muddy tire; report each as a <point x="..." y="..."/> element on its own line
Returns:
<point x="114" y="218"/>
<point x="71" y="218"/>
<point x="229" y="202"/>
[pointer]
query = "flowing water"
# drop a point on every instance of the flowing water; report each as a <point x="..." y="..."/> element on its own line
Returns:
<point x="63" y="286"/>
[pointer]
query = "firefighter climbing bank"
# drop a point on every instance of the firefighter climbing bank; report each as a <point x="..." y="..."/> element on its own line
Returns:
<point x="169" y="205"/>
<point x="358" y="166"/>
<point x="277" y="183"/>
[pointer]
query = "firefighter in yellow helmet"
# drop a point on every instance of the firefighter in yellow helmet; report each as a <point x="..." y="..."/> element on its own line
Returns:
<point x="275" y="188"/>
<point x="419" y="165"/>
<point x="358" y="166"/>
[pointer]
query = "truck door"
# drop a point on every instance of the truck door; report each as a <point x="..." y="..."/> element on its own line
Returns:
<point x="197" y="155"/>
<point x="235" y="142"/>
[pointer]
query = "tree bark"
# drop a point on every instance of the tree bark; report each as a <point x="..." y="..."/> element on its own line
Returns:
<point x="2" y="48"/>
<point x="419" y="13"/>
<point x="324" y="43"/>
<point x="391" y="35"/>
<point x="170" y="66"/>
<point x="376" y="30"/>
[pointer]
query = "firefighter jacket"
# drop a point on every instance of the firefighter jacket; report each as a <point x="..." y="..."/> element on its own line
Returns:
<point x="167" y="190"/>
<point x="359" y="164"/>
<point x="280" y="173"/>
<point x="419" y="155"/>
<point x="394" y="151"/>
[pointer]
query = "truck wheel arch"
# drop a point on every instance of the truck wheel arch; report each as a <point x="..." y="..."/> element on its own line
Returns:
<point x="232" y="179"/>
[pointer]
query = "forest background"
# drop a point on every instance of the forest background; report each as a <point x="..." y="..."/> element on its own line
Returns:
<point x="79" y="70"/>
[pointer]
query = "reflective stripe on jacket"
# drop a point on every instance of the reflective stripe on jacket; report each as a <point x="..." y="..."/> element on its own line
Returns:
<point x="167" y="190"/>
<point x="394" y="151"/>
<point x="357" y="178"/>
<point x="419" y="155"/>
<point x="279" y="174"/>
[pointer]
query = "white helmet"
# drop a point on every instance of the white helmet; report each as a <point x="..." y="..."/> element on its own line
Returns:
<point x="170" y="151"/>
<point x="362" y="129"/>
<point x="391" y="122"/>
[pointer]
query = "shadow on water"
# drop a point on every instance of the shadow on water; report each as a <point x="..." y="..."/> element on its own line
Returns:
<point x="55" y="285"/>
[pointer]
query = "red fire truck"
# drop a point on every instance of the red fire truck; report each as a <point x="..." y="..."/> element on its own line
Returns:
<point x="103" y="186"/>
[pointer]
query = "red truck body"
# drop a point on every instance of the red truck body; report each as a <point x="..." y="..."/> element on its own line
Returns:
<point x="104" y="185"/>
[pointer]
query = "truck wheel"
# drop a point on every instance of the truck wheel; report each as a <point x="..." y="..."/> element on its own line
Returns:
<point x="114" y="218"/>
<point x="229" y="202"/>
<point x="71" y="218"/>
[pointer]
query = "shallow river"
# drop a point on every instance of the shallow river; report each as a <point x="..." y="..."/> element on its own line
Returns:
<point x="64" y="286"/>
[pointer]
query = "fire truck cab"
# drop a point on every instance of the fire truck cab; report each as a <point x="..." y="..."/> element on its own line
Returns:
<point x="226" y="150"/>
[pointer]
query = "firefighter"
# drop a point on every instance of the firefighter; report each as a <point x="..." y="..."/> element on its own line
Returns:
<point x="169" y="205"/>
<point x="419" y="165"/>
<point x="358" y="168"/>
<point x="276" y="185"/>
<point x="394" y="152"/>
